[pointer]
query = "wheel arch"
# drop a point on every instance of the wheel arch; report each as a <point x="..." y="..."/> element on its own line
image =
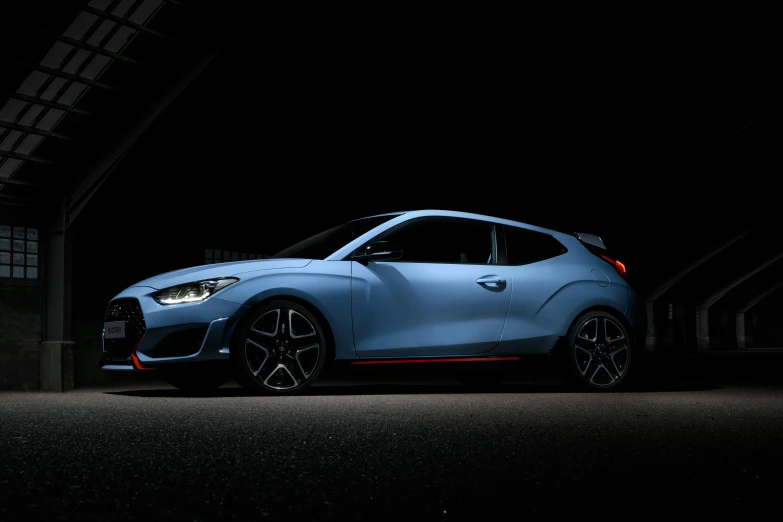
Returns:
<point x="560" y="347"/>
<point x="328" y="333"/>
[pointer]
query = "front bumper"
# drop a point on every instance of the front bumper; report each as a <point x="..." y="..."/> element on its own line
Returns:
<point x="162" y="336"/>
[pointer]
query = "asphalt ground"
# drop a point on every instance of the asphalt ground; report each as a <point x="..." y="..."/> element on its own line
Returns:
<point x="691" y="437"/>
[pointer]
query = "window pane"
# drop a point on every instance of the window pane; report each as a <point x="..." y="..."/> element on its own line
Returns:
<point x="19" y="233"/>
<point x="32" y="273"/>
<point x="32" y="247"/>
<point x="226" y="255"/>
<point x="5" y="258"/>
<point x="5" y="231"/>
<point x="18" y="245"/>
<point x="32" y="260"/>
<point x="445" y="241"/>
<point x="208" y="252"/>
<point x="322" y="245"/>
<point x="5" y="245"/>
<point x="18" y="259"/>
<point x="243" y="257"/>
<point x="5" y="271"/>
<point x="235" y="256"/>
<point x="32" y="234"/>
<point x="525" y="246"/>
<point x="18" y="272"/>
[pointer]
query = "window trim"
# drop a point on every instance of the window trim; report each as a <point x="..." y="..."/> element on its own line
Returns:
<point x="499" y="237"/>
<point x="505" y="247"/>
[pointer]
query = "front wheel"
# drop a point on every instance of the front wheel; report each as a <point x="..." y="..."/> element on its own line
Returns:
<point x="599" y="352"/>
<point x="280" y="349"/>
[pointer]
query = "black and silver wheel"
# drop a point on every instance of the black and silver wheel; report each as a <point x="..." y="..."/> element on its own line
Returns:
<point x="280" y="349"/>
<point x="599" y="355"/>
<point x="197" y="382"/>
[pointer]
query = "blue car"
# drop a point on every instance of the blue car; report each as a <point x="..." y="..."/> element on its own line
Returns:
<point x="429" y="286"/>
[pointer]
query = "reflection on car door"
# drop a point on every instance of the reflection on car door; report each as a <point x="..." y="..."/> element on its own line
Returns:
<point x="445" y="296"/>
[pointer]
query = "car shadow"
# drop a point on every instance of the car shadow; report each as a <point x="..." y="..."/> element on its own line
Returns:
<point x="417" y="389"/>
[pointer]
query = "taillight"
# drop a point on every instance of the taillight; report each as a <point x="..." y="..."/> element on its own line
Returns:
<point x="616" y="264"/>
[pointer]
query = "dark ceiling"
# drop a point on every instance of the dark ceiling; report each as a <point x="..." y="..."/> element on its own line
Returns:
<point x="348" y="113"/>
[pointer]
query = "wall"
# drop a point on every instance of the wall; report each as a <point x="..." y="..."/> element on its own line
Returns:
<point x="20" y="317"/>
<point x="20" y="320"/>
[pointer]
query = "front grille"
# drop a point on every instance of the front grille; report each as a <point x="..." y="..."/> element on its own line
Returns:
<point x="128" y="310"/>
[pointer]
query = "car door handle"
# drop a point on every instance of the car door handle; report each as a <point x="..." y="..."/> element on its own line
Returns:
<point x="490" y="280"/>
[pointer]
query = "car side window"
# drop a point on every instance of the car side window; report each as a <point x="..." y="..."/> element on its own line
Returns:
<point x="525" y="246"/>
<point x="456" y="241"/>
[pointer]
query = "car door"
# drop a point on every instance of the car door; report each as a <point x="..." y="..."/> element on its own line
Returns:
<point x="445" y="296"/>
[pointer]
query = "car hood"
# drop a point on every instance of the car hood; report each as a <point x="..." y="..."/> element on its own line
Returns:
<point x="199" y="273"/>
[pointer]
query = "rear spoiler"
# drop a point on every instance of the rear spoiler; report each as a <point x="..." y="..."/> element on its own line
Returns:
<point x="591" y="240"/>
<point x="596" y="245"/>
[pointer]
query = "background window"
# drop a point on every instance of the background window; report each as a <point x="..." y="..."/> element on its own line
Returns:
<point x="446" y="241"/>
<point x="18" y="252"/>
<point x="220" y="256"/>
<point x="525" y="246"/>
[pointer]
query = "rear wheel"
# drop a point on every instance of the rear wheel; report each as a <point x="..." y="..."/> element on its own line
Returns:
<point x="599" y="352"/>
<point x="280" y="349"/>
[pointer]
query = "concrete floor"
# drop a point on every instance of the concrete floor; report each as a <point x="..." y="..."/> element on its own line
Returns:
<point x="678" y="445"/>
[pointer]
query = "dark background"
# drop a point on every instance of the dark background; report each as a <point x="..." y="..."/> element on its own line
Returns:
<point x="660" y="151"/>
<point x="662" y="138"/>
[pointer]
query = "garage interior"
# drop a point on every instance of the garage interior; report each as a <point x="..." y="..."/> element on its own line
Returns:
<point x="143" y="136"/>
<point x="127" y="150"/>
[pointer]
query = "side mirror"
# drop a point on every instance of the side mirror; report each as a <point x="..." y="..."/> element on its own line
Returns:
<point x="378" y="251"/>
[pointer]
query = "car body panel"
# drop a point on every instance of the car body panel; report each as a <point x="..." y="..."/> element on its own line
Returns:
<point x="395" y="309"/>
<point x="325" y="285"/>
<point x="218" y="316"/>
<point x="427" y="309"/>
<point x="200" y="273"/>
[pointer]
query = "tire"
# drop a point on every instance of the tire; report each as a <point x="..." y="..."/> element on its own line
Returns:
<point x="279" y="349"/>
<point x="197" y="382"/>
<point x="599" y="354"/>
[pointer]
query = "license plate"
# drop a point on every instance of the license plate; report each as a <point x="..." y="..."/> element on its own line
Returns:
<point x="114" y="330"/>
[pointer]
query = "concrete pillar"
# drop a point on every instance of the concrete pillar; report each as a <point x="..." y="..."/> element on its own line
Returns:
<point x="56" y="350"/>
<point x="57" y="366"/>
<point x="740" y="319"/>
<point x="702" y="329"/>
<point x="649" y="341"/>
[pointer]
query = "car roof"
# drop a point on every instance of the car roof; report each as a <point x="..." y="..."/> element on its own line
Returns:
<point x="467" y="215"/>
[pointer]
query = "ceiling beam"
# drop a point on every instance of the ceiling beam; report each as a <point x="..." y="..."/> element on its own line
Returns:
<point x="89" y="184"/>
<point x="23" y="202"/>
<point x="28" y="185"/>
<point x="36" y="159"/>
<point x="47" y="103"/>
<point x="100" y="50"/>
<point x="42" y="132"/>
<point x="128" y="23"/>
<point x="76" y="78"/>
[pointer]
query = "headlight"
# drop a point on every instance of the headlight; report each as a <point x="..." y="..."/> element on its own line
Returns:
<point x="192" y="292"/>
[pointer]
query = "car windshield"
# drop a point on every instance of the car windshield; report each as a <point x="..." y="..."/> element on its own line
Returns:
<point x="321" y="246"/>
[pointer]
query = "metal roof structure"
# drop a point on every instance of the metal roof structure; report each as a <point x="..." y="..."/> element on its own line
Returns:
<point x="80" y="81"/>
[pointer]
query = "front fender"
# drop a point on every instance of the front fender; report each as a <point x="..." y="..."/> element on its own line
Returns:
<point x="326" y="285"/>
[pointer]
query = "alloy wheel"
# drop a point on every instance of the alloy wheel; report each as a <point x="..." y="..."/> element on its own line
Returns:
<point x="282" y="349"/>
<point x="601" y="351"/>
